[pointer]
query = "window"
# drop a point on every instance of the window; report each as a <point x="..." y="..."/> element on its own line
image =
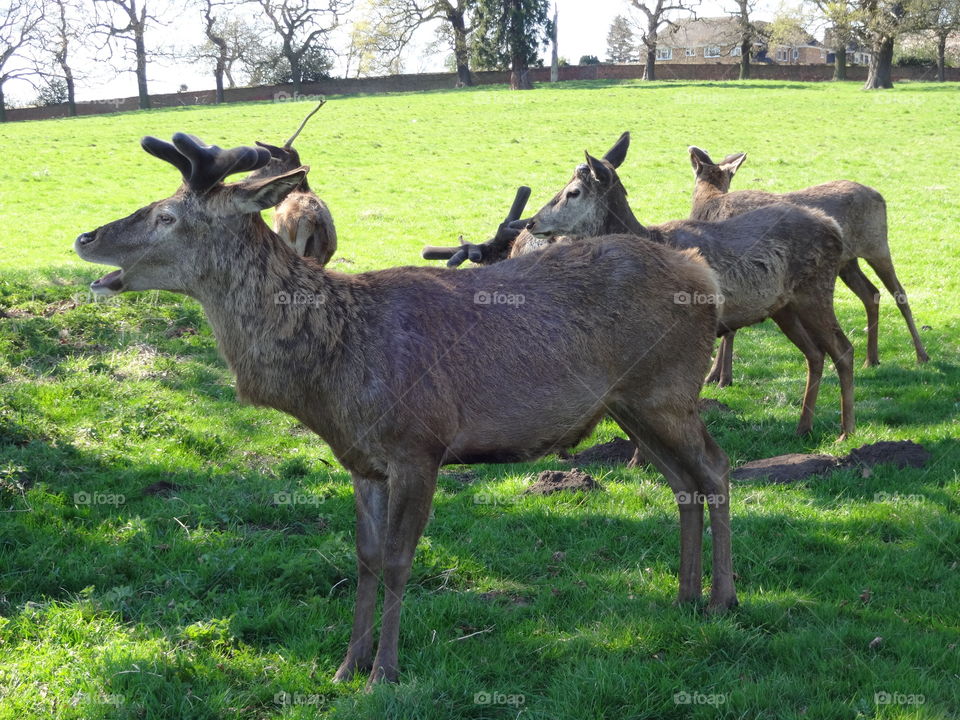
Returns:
<point x="711" y="51"/>
<point x="796" y="53"/>
<point x="783" y="54"/>
<point x="691" y="52"/>
<point x="735" y="51"/>
<point x="664" y="53"/>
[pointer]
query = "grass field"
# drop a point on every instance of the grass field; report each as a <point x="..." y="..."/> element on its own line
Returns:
<point x="214" y="600"/>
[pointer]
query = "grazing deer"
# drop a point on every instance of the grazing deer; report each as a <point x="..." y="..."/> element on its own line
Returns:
<point x="374" y="362"/>
<point x="862" y="214"/>
<point x="303" y="220"/>
<point x="779" y="262"/>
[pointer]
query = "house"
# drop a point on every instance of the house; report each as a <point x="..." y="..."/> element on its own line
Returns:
<point x="717" y="40"/>
<point x="856" y="53"/>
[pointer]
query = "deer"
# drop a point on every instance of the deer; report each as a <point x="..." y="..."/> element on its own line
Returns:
<point x="861" y="212"/>
<point x="303" y="220"/>
<point x="373" y="362"/>
<point x="779" y="261"/>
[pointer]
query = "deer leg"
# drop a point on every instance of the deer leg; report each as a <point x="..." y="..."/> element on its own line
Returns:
<point x="790" y="324"/>
<point x="411" y="494"/>
<point x="853" y="278"/>
<point x="689" y="500"/>
<point x="822" y="326"/>
<point x="721" y="372"/>
<point x="884" y="269"/>
<point x="371" y="498"/>
<point x="713" y="472"/>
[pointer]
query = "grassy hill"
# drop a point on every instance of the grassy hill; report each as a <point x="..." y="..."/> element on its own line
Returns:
<point x="148" y="570"/>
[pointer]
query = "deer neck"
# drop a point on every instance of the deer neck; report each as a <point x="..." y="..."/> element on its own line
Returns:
<point x="619" y="218"/>
<point x="277" y="320"/>
<point x="705" y="192"/>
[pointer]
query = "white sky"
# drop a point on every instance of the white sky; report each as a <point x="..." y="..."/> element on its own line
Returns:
<point x="583" y="31"/>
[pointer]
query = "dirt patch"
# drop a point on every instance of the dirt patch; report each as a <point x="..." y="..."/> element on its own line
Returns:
<point x="161" y="488"/>
<point x="786" y="468"/>
<point x="618" y="451"/>
<point x="796" y="466"/>
<point x="902" y="453"/>
<point x="711" y="405"/>
<point x="551" y="481"/>
<point x="59" y="307"/>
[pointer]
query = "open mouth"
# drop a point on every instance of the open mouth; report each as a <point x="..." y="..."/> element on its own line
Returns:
<point x="109" y="284"/>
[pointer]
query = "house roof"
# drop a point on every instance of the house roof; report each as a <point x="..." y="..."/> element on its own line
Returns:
<point x="707" y="31"/>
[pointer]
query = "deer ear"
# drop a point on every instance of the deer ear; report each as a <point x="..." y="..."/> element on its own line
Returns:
<point x="601" y="173"/>
<point x="618" y="153"/>
<point x="252" y="196"/>
<point x="698" y="158"/>
<point x="733" y="162"/>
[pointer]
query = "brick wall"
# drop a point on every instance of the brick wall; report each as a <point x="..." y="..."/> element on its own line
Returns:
<point x="446" y="81"/>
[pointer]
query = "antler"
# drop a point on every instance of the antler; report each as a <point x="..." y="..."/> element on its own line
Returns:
<point x="203" y="166"/>
<point x="506" y="233"/>
<point x="289" y="143"/>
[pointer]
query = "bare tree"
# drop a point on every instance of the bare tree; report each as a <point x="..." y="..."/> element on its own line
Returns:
<point x="882" y="22"/>
<point x="942" y="18"/>
<point x="554" y="48"/>
<point x="240" y="42"/>
<point x="126" y="22"/>
<point x="656" y="20"/>
<point x="842" y="17"/>
<point x="401" y="18"/>
<point x="215" y="28"/>
<point x="748" y="33"/>
<point x="65" y="26"/>
<point x="303" y="26"/>
<point x="20" y="26"/>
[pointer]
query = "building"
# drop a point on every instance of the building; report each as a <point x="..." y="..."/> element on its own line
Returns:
<point x="717" y="40"/>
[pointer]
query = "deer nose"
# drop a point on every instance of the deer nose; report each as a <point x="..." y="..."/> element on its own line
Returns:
<point x="86" y="238"/>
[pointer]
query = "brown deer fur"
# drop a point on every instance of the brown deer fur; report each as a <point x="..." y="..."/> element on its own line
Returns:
<point x="862" y="214"/>
<point x="374" y="364"/>
<point x="779" y="262"/>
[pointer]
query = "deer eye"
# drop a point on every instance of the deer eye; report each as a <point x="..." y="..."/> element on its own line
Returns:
<point x="573" y="193"/>
<point x="166" y="219"/>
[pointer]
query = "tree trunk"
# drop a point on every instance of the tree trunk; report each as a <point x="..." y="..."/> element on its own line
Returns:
<point x="3" y="106"/>
<point x="520" y="74"/>
<point x="554" y="55"/>
<point x="296" y="75"/>
<point x="879" y="74"/>
<point x="71" y="95"/>
<point x="941" y="57"/>
<point x="840" y="63"/>
<point x="218" y="76"/>
<point x="650" y="68"/>
<point x="745" y="47"/>
<point x="461" y="51"/>
<point x="141" y="51"/>
<point x="221" y="65"/>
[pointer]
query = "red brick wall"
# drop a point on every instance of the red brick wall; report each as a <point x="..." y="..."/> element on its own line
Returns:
<point x="446" y="81"/>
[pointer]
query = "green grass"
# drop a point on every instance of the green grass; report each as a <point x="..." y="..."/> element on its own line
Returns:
<point x="213" y="600"/>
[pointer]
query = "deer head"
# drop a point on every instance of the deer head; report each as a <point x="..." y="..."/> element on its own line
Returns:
<point x="584" y="206"/>
<point x="286" y="158"/>
<point x="717" y="176"/>
<point x="177" y="243"/>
